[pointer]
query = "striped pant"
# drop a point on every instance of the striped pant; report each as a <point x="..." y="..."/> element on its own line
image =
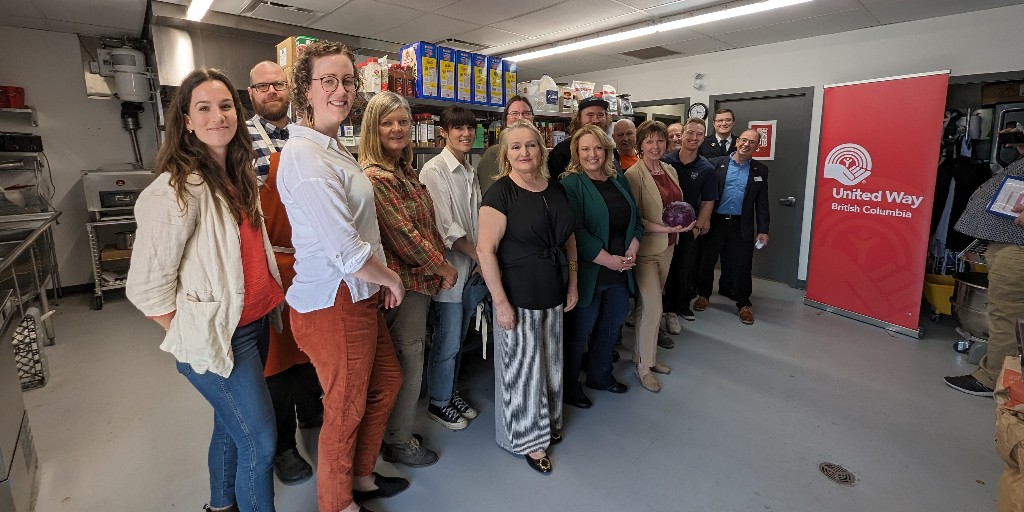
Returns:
<point x="528" y="380"/>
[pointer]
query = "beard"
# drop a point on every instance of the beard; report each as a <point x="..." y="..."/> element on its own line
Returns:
<point x="272" y="111"/>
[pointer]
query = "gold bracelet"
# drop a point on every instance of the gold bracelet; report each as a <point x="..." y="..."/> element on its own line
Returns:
<point x="573" y="266"/>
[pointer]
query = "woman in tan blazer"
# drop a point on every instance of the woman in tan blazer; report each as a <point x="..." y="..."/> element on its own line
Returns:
<point x="654" y="184"/>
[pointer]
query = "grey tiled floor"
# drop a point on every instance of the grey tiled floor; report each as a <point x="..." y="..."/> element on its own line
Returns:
<point x="742" y="423"/>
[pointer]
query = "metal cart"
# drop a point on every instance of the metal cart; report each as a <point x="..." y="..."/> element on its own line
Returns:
<point x="109" y="264"/>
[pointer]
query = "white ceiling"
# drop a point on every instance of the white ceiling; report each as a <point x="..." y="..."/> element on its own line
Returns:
<point x="504" y="27"/>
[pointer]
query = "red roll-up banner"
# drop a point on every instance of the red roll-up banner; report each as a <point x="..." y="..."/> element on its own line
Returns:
<point x="873" y="198"/>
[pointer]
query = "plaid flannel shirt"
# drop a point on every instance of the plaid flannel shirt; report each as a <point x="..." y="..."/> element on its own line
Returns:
<point x="277" y="135"/>
<point x="405" y="214"/>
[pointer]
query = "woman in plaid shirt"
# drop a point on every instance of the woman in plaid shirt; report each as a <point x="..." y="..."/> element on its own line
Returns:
<point x="414" y="250"/>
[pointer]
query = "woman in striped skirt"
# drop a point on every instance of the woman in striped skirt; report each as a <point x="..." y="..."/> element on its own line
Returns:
<point x="527" y="256"/>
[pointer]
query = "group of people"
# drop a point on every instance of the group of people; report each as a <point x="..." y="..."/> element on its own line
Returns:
<point x="367" y="252"/>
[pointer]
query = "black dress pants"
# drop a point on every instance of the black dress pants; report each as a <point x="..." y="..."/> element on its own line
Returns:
<point x="737" y="254"/>
<point x="294" y="391"/>
<point x="679" y="287"/>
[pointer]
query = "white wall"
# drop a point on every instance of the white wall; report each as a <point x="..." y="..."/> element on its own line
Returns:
<point x="966" y="44"/>
<point x="78" y="132"/>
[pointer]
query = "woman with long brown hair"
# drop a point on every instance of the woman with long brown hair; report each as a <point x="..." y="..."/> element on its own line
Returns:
<point x="200" y="241"/>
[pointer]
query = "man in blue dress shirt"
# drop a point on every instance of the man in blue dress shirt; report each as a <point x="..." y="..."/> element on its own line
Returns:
<point x="739" y="223"/>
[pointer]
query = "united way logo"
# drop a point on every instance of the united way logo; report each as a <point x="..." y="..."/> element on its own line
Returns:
<point x="848" y="164"/>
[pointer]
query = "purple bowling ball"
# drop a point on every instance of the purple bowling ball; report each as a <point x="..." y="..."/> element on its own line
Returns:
<point x="678" y="213"/>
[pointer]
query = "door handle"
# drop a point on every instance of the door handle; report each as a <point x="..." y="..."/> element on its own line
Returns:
<point x="787" y="201"/>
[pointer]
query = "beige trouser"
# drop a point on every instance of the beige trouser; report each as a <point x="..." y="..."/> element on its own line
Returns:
<point x="408" y="326"/>
<point x="1005" y="308"/>
<point x="651" y="273"/>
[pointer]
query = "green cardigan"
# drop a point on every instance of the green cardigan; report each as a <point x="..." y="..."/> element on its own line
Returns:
<point x="591" y="213"/>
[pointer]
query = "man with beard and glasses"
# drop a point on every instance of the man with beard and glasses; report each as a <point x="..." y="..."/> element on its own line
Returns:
<point x="269" y="127"/>
<point x="291" y="378"/>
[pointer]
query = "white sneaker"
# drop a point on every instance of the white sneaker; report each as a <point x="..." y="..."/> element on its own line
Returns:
<point x="672" y="324"/>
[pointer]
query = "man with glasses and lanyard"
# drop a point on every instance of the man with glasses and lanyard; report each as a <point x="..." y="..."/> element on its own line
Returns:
<point x="738" y="226"/>
<point x="291" y="378"/>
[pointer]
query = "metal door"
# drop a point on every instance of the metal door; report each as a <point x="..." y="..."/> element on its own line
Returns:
<point x="787" y="172"/>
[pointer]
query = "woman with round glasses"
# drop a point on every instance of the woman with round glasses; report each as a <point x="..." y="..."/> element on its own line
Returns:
<point x="654" y="184"/>
<point x="341" y="281"/>
<point x="414" y="250"/>
<point x="518" y="107"/>
<point x="203" y="269"/>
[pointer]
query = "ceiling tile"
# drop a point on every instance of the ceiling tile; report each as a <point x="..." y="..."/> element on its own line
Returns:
<point x="699" y="45"/>
<point x="488" y="36"/>
<point x="426" y="27"/>
<point x="570" y="14"/>
<point x="101" y="13"/>
<point x="575" y="62"/>
<point x="233" y="6"/>
<point x="907" y="10"/>
<point x="487" y="12"/>
<point x="670" y="8"/>
<point x="608" y="25"/>
<point x="782" y="15"/>
<point x="809" y="27"/>
<point x="422" y="5"/>
<point x="365" y="18"/>
<point x="659" y="39"/>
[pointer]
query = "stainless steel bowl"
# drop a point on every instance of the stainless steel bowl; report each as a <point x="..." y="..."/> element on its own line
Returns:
<point x="970" y="302"/>
<point x="125" y="239"/>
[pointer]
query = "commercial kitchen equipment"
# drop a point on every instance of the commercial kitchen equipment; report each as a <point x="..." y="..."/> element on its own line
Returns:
<point x="110" y="197"/>
<point x="18" y="461"/>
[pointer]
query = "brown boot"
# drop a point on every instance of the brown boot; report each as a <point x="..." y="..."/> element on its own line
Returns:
<point x="700" y="304"/>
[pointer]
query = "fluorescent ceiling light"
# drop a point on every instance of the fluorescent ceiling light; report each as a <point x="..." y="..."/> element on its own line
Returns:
<point x="724" y="14"/>
<point x="197" y="9"/>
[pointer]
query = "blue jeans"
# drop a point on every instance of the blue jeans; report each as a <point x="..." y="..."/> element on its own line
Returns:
<point x="600" y="322"/>
<point x="241" y="456"/>
<point x="450" y="328"/>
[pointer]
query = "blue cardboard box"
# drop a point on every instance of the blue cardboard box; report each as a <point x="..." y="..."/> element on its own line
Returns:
<point x="422" y="58"/>
<point x="495" y="82"/>
<point x="463" y="76"/>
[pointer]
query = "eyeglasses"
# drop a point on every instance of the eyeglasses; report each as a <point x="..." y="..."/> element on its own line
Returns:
<point x="265" y="86"/>
<point x="525" y="113"/>
<point x="742" y="140"/>
<point x="722" y="121"/>
<point x="330" y="83"/>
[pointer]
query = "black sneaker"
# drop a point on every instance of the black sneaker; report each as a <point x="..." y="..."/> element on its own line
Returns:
<point x="664" y="340"/>
<point x="291" y="468"/>
<point x="687" y="314"/>
<point x="968" y="384"/>
<point x="467" y="411"/>
<point x="447" y="416"/>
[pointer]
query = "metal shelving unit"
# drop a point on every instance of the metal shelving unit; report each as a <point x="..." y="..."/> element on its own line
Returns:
<point x="31" y="111"/>
<point x="107" y="259"/>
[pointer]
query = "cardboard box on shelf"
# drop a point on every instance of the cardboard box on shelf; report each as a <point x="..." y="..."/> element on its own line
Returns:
<point x="112" y="253"/>
<point x="479" y="79"/>
<point x="508" y="71"/>
<point x="290" y="49"/>
<point x="421" y="57"/>
<point x="495" y="82"/>
<point x="446" y="73"/>
<point x="463" y="76"/>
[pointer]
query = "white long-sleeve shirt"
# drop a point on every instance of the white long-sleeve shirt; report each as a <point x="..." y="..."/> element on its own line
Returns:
<point x="334" y="224"/>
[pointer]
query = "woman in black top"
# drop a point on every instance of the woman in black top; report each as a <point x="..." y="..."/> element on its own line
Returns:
<point x="527" y="256"/>
<point x="608" y="233"/>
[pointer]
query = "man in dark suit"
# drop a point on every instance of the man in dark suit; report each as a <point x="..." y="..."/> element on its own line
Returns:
<point x="722" y="143"/>
<point x="740" y="221"/>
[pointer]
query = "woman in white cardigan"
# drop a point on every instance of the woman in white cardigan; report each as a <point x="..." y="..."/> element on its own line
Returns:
<point x="203" y="269"/>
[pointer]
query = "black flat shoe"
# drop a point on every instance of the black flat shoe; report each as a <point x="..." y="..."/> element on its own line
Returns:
<point x="581" y="401"/>
<point x="387" y="486"/>
<point x="541" y="465"/>
<point x="556" y="437"/>
<point x="615" y="387"/>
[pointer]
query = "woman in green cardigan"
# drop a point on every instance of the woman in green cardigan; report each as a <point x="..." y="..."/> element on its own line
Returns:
<point x="608" y="233"/>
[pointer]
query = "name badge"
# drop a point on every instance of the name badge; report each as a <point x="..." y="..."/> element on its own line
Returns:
<point x="758" y="178"/>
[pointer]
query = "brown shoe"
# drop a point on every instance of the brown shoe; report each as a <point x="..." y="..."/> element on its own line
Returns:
<point x="746" y="315"/>
<point x="700" y="304"/>
<point x="661" y="368"/>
